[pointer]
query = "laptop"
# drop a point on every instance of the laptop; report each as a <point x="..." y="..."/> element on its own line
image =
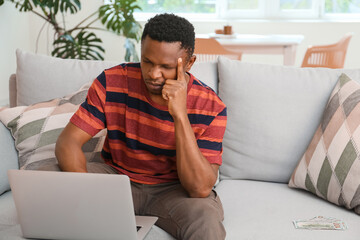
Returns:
<point x="67" y="205"/>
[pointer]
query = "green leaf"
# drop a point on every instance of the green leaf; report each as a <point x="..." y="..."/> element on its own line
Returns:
<point x="54" y="6"/>
<point x="25" y="6"/>
<point x="70" y="5"/>
<point x="85" y="45"/>
<point x="130" y="54"/>
<point x="118" y="18"/>
<point x="132" y="29"/>
<point x="1" y="2"/>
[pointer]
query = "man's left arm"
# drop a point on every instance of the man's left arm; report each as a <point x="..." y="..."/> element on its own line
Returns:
<point x="197" y="175"/>
<point x="195" y="172"/>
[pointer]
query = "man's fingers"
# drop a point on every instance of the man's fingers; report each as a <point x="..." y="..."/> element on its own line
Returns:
<point x="172" y="86"/>
<point x="180" y="70"/>
<point x="165" y="96"/>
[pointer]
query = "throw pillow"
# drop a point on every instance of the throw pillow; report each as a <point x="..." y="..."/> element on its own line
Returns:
<point x="330" y="167"/>
<point x="34" y="71"/>
<point x="36" y="128"/>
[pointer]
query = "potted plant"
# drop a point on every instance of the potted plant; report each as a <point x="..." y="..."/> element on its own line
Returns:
<point x="80" y="42"/>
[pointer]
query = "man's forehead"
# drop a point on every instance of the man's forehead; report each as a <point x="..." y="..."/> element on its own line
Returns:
<point x="167" y="50"/>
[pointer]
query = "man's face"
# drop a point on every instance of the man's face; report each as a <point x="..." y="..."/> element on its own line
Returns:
<point x="159" y="63"/>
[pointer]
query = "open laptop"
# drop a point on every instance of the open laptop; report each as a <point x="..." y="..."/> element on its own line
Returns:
<point x="65" y="205"/>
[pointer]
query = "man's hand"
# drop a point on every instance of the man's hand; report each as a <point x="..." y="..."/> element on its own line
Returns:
<point x="175" y="92"/>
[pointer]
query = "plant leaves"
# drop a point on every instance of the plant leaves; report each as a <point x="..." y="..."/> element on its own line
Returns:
<point x="118" y="17"/>
<point x="24" y="6"/>
<point x="130" y="51"/>
<point x="85" y="45"/>
<point x="72" y="6"/>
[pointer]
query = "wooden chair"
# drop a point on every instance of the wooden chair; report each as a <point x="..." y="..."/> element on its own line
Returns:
<point x="208" y="49"/>
<point x="328" y="56"/>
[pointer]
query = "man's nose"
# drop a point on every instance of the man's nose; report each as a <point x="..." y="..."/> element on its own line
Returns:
<point x="155" y="72"/>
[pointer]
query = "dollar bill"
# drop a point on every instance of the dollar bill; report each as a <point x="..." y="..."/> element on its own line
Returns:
<point x="320" y="223"/>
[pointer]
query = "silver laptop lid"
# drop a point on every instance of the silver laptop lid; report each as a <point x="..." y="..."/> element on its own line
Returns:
<point x="63" y="205"/>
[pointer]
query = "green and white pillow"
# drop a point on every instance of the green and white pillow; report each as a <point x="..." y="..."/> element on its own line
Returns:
<point x="330" y="167"/>
<point x="36" y="128"/>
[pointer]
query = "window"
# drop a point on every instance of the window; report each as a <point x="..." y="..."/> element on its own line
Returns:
<point x="239" y="9"/>
<point x="272" y="9"/>
<point x="178" y="6"/>
<point x="242" y="9"/>
<point x="342" y="6"/>
<point x="195" y="9"/>
<point x="342" y="9"/>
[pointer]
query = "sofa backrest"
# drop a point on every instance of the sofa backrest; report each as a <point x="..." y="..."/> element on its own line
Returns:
<point x="12" y="90"/>
<point x="207" y="73"/>
<point x="273" y="112"/>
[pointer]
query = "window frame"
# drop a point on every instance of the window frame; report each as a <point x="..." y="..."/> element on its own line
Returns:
<point x="270" y="9"/>
<point x="267" y="10"/>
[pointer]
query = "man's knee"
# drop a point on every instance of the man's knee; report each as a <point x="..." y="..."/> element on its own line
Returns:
<point x="201" y="219"/>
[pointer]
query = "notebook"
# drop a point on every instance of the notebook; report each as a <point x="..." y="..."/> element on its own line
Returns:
<point x="66" y="205"/>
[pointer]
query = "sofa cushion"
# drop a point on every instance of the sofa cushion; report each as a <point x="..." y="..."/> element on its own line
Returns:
<point x="8" y="214"/>
<point x="41" y="78"/>
<point x="36" y="128"/>
<point x="207" y="73"/>
<point x="266" y="211"/>
<point x="8" y="156"/>
<point x="330" y="167"/>
<point x="273" y="112"/>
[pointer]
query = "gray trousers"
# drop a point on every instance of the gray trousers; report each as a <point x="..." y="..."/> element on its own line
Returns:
<point x="179" y="215"/>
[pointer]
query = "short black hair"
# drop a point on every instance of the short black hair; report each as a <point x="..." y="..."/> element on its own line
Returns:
<point x="170" y="28"/>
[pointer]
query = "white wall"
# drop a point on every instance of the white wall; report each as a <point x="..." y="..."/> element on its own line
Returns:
<point x="20" y="30"/>
<point x="14" y="33"/>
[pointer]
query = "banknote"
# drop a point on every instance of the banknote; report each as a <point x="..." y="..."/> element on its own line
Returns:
<point x="320" y="223"/>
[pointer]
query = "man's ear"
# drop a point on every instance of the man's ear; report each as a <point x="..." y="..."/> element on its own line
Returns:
<point x="190" y="63"/>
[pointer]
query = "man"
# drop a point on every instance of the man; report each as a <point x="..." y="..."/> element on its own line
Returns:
<point x="164" y="130"/>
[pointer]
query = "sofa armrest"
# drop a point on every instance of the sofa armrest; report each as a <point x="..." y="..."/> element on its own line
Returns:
<point x="12" y="90"/>
<point x="8" y="156"/>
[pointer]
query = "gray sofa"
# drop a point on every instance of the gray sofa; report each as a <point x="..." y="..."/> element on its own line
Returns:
<point x="273" y="113"/>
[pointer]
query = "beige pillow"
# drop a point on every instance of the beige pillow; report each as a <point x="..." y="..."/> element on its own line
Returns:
<point x="36" y="128"/>
<point x="330" y="167"/>
<point x="42" y="78"/>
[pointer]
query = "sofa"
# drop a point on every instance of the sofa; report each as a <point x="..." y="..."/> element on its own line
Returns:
<point x="288" y="153"/>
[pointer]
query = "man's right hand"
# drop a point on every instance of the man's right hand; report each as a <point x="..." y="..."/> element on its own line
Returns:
<point x="68" y="149"/>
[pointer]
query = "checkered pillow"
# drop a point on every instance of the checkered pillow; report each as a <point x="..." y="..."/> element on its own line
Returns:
<point x="36" y="128"/>
<point x="330" y="167"/>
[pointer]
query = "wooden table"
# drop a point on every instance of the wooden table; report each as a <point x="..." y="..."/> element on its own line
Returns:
<point x="284" y="44"/>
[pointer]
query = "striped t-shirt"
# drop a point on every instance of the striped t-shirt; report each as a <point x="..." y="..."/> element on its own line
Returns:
<point x="140" y="138"/>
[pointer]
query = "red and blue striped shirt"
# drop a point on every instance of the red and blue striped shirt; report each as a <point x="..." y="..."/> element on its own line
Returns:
<point x="140" y="139"/>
